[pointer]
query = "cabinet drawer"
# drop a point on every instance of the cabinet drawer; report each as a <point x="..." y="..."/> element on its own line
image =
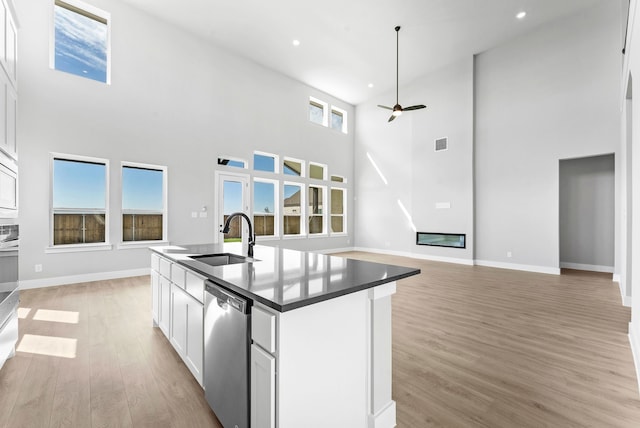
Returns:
<point x="165" y="268"/>
<point x="155" y="262"/>
<point x="263" y="329"/>
<point x="195" y="286"/>
<point x="177" y="275"/>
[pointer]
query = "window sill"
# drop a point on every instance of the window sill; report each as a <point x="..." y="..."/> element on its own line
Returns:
<point x="78" y="248"/>
<point x="132" y="245"/>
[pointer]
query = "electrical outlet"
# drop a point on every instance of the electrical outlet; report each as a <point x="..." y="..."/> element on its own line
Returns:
<point x="509" y="254"/>
<point x="194" y="214"/>
<point x="38" y="268"/>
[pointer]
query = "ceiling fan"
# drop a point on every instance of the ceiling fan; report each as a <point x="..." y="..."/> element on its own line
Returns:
<point x="398" y="109"/>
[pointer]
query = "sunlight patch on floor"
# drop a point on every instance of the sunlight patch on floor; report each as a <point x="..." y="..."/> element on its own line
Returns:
<point x="48" y="345"/>
<point x="68" y="317"/>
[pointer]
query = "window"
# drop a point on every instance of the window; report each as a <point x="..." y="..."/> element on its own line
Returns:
<point x="79" y="200"/>
<point x="337" y="210"/>
<point x="231" y="162"/>
<point x="264" y="208"/>
<point x="143" y="202"/>
<point x="318" y="111"/>
<point x="338" y="179"/>
<point x="264" y="162"/>
<point x="332" y="117"/>
<point x="455" y="240"/>
<point x="293" y="167"/>
<point x="292" y="209"/>
<point x="316" y="171"/>
<point x="338" y="119"/>
<point x="81" y="40"/>
<point x="316" y="213"/>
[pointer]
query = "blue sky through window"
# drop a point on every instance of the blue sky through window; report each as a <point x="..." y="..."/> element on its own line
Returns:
<point x="80" y="44"/>
<point x="263" y="197"/>
<point x="232" y="197"/>
<point x="142" y="189"/>
<point x="78" y="184"/>
<point x="264" y="163"/>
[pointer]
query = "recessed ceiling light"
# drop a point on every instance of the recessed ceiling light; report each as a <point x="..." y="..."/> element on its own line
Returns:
<point x="370" y="85"/>
<point x="296" y="42"/>
<point x="521" y="15"/>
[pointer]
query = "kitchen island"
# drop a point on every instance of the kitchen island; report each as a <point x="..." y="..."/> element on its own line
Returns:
<point x="320" y="330"/>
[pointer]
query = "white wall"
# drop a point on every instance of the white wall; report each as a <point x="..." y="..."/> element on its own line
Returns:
<point x="587" y="213"/>
<point x="174" y="100"/>
<point x="417" y="176"/>
<point x="548" y="95"/>
<point x="631" y="67"/>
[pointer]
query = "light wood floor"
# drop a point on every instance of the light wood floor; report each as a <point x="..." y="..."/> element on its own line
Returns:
<point x="472" y="347"/>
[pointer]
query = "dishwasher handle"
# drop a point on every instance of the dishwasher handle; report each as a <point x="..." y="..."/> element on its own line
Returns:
<point x="226" y="299"/>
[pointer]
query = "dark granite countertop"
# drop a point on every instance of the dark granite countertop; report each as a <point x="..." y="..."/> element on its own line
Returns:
<point x="286" y="279"/>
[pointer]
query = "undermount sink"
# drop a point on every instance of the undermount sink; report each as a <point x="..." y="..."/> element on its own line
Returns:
<point x="221" y="259"/>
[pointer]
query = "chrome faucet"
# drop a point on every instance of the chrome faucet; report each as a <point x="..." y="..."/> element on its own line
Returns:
<point x="252" y="237"/>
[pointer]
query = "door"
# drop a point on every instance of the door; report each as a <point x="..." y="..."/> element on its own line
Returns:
<point x="233" y="196"/>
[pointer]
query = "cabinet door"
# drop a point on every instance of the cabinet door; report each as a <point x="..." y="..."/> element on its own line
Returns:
<point x="165" y="306"/>
<point x="195" y="339"/>
<point x="155" y="296"/>
<point x="263" y="389"/>
<point x="178" y="336"/>
<point x="11" y="109"/>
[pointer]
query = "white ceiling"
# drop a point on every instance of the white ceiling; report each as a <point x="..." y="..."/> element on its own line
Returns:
<point x="347" y="44"/>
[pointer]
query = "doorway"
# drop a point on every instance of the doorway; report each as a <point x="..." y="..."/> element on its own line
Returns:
<point x="232" y="197"/>
<point x="587" y="213"/>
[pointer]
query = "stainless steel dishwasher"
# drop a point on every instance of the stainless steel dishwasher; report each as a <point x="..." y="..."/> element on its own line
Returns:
<point x="227" y="339"/>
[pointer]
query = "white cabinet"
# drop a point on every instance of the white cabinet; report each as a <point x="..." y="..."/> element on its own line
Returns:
<point x="164" y="317"/>
<point x="155" y="296"/>
<point x="177" y="295"/>
<point x="263" y="388"/>
<point x="194" y="350"/>
<point x="178" y="336"/>
<point x="8" y="80"/>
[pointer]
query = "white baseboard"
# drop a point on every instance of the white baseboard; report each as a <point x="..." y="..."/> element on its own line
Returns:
<point x="75" y="279"/>
<point x="634" y="341"/>
<point x="592" y="268"/>
<point x="515" y="266"/>
<point x="626" y="300"/>
<point x="616" y="278"/>
<point x="459" y="261"/>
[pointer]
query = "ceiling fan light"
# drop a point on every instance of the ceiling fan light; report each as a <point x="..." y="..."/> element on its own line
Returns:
<point x="396" y="113"/>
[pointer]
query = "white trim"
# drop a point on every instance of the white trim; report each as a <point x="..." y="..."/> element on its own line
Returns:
<point x="165" y="195"/>
<point x="75" y="279"/>
<point x="592" y="268"/>
<point x="514" y="266"/>
<point x="78" y="248"/>
<point x="385" y="418"/>
<point x="332" y="251"/>
<point x="626" y="300"/>
<point x="634" y="342"/>
<point x="130" y="245"/>
<point x="616" y="278"/>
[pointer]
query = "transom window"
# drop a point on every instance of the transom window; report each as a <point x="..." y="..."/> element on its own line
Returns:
<point x="330" y="116"/>
<point x="81" y="40"/>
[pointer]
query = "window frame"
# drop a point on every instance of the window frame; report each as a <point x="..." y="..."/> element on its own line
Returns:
<point x="90" y="12"/>
<point x="303" y="228"/>
<point x="322" y="215"/>
<point x="233" y="159"/>
<point x="302" y="163"/>
<point x="325" y="111"/>
<point x="343" y="113"/>
<point x="276" y="162"/>
<point x="325" y="171"/>
<point x="165" y="211"/>
<point x="276" y="207"/>
<point x="94" y="246"/>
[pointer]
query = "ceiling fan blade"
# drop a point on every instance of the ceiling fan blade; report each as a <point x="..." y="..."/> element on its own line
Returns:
<point x="391" y="118"/>
<point x="388" y="108"/>
<point x="416" y="107"/>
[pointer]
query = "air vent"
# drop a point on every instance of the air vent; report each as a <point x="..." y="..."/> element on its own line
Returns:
<point x="441" y="144"/>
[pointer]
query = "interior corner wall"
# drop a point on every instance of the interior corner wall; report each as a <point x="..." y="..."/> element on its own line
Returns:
<point x="550" y="94"/>
<point x="400" y="177"/>
<point x="174" y="100"/>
